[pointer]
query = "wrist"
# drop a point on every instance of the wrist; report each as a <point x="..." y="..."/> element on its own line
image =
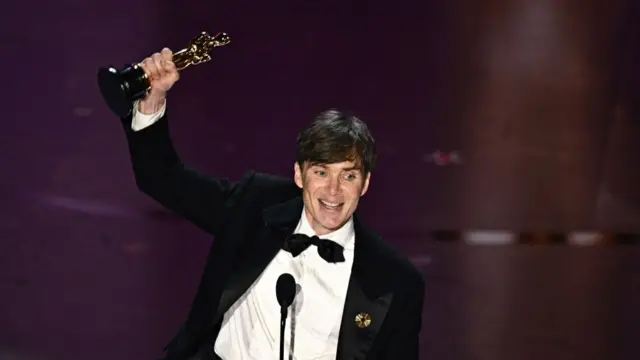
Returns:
<point x="151" y="104"/>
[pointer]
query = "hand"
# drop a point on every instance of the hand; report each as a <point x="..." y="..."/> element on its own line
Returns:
<point x="162" y="74"/>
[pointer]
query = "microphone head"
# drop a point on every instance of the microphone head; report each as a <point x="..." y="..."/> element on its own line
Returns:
<point x="285" y="290"/>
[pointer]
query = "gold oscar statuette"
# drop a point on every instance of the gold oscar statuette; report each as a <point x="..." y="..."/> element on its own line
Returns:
<point x="121" y="88"/>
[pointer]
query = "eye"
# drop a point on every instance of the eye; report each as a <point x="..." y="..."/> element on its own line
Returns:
<point x="320" y="172"/>
<point x="351" y="177"/>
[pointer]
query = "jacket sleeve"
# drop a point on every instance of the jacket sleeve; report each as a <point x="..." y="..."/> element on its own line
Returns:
<point x="160" y="174"/>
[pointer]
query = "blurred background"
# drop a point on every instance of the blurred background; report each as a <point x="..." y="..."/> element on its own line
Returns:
<point x="508" y="172"/>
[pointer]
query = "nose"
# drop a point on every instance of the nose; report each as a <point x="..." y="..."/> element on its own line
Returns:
<point x="334" y="186"/>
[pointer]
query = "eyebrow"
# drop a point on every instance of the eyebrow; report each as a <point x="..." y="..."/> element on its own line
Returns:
<point x="351" y="168"/>
<point x="324" y="166"/>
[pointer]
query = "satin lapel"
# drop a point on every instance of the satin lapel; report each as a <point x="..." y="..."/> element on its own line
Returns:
<point x="367" y="303"/>
<point x="356" y="337"/>
<point x="279" y="222"/>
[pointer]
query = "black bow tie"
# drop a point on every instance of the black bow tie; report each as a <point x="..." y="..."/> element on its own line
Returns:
<point x="328" y="250"/>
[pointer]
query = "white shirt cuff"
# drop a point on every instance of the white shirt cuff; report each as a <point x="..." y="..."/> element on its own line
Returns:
<point x="140" y="121"/>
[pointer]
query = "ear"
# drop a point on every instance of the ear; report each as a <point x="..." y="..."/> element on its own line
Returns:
<point x="365" y="185"/>
<point x="297" y="175"/>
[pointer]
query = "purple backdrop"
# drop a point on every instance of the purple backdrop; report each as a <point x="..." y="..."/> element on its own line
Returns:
<point x="538" y="98"/>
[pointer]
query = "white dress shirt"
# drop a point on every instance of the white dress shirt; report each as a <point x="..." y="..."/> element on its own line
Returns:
<point x="251" y="327"/>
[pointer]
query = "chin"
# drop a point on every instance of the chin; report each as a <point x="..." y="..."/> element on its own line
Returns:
<point x="332" y="223"/>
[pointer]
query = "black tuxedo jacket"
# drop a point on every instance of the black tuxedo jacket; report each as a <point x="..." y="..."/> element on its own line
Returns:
<point x="249" y="220"/>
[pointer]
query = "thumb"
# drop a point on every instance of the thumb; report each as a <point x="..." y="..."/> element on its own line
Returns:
<point x="167" y="54"/>
<point x="170" y="66"/>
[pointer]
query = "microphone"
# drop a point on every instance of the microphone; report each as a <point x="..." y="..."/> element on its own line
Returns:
<point x="285" y="292"/>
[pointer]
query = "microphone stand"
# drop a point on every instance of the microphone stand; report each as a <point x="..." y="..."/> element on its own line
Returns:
<point x="283" y="320"/>
<point x="285" y="292"/>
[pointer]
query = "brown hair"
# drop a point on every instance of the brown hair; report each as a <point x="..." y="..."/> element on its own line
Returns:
<point x="335" y="136"/>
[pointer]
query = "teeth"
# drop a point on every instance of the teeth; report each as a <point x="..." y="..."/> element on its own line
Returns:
<point x="330" y="204"/>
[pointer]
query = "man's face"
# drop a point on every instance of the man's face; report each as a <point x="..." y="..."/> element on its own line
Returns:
<point x="330" y="192"/>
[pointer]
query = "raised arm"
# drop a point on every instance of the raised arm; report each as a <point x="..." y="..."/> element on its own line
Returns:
<point x="158" y="170"/>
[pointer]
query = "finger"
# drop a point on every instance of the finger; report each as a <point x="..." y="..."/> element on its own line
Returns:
<point x="167" y="54"/>
<point x="159" y="63"/>
<point x="171" y="71"/>
<point x="150" y="69"/>
<point x="169" y="66"/>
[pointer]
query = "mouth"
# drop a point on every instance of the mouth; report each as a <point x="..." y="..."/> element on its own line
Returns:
<point x="331" y="205"/>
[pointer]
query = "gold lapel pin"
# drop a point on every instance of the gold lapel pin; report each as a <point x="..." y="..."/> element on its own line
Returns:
<point x="363" y="320"/>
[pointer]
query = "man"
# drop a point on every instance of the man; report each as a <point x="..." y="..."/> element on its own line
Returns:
<point x="357" y="298"/>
